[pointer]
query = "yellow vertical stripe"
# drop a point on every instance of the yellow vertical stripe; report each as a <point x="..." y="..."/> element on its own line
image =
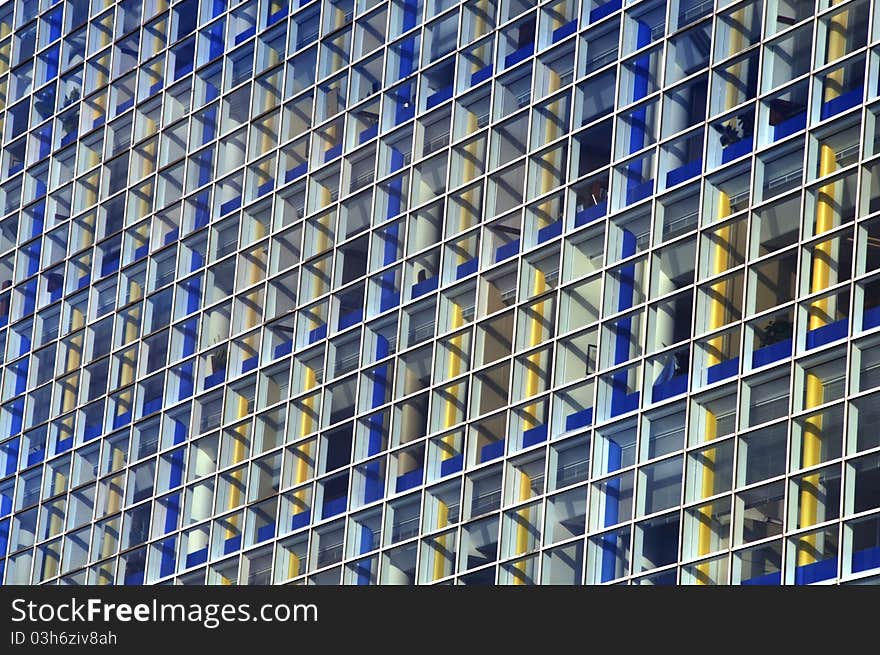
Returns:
<point x="826" y="218"/>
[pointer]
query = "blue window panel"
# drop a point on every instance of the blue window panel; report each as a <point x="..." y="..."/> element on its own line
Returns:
<point x="439" y="96"/>
<point x="405" y="110"/>
<point x="722" y="370"/>
<point x="180" y="433"/>
<point x="63" y="445"/>
<point x="214" y="34"/>
<point x="566" y="30"/>
<point x="871" y="318"/>
<point x="245" y="34"/>
<point x="209" y="125"/>
<point x="183" y="55"/>
<point x="467" y="268"/>
<point x="53" y="20"/>
<point x="604" y="10"/>
<point x="175" y="478"/>
<point x="350" y="318"/>
<point x="50" y="58"/>
<point x="198" y="557"/>
<point x="265" y="532"/>
<point x="44" y="137"/>
<point x="277" y="16"/>
<point x="150" y="406"/>
<point x="397" y="160"/>
<point x="383" y="347"/>
<point x="317" y="333"/>
<point x="610" y="553"/>
<point x="380" y="386"/>
<point x="230" y="205"/>
<point x="110" y="263"/>
<point x="217" y="7"/>
<point x="214" y="379"/>
<point x="134" y="574"/>
<point x="507" y="250"/>
<point x="190" y="329"/>
<point x="187" y="14"/>
<point x="772" y="353"/>
<point x="172" y="236"/>
<point x="682" y="173"/>
<point x="492" y="450"/>
<point x="167" y="560"/>
<point x="534" y="435"/>
<point x="519" y="54"/>
<point x="409" y="480"/>
<point x="841" y="103"/>
<point x="550" y="231"/>
<point x="202" y="161"/>
<point x="394" y="188"/>
<point x="332" y="507"/>
<point x="410" y="14"/>
<point x="622" y="403"/>
<point x="863" y="560"/>
<point x="425" y="286"/>
<point x="20" y="370"/>
<point x="25" y="345"/>
<point x="192" y="289"/>
<point x="481" y="75"/>
<point x="451" y="465"/>
<point x="172" y="512"/>
<point x="32" y="252"/>
<point x="4" y="535"/>
<point x="368" y="133"/>
<point x="669" y="388"/>
<point x="265" y="188"/>
<point x="816" y="571"/>
<point x="827" y="333"/>
<point x="92" y="430"/>
<point x="69" y="138"/>
<point x="640" y="191"/>
<point x="54" y="285"/>
<point x="15" y="409"/>
<point x="297" y="171"/>
<point x="766" y="579"/>
<point x="283" y="348"/>
<point x="250" y="363"/>
<point x="125" y="418"/>
<point x="333" y="153"/>
<point x="372" y="482"/>
<point x="737" y="149"/>
<point x="126" y="104"/>
<point x="367" y="541"/>
<point x="790" y="125"/>
<point x="579" y="419"/>
<point x="6" y="501"/>
<point x="9" y="451"/>
<point x="38" y="218"/>
<point x="36" y="455"/>
<point x="299" y="520"/>
<point x="203" y="211"/>
<point x="590" y="214"/>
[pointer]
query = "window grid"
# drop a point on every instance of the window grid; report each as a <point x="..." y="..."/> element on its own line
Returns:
<point x="321" y="325"/>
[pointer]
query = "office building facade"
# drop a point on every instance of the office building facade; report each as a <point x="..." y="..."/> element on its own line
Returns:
<point x="427" y="291"/>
